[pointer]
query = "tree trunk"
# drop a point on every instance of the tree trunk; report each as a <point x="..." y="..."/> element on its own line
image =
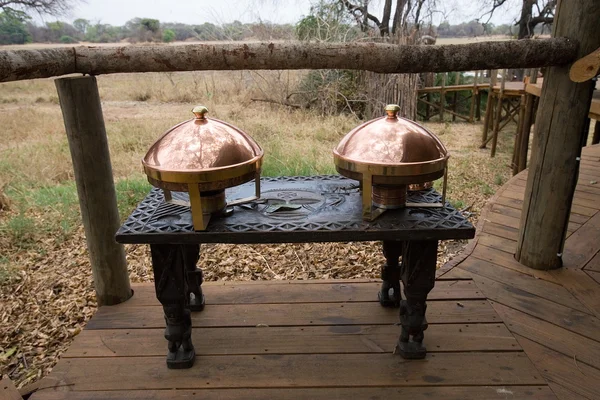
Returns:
<point x="385" y="21"/>
<point x="525" y="29"/>
<point x="559" y="127"/>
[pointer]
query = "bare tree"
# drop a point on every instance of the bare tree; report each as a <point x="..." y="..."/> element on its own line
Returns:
<point x="401" y="23"/>
<point x="407" y="13"/>
<point x="533" y="13"/>
<point x="52" y="7"/>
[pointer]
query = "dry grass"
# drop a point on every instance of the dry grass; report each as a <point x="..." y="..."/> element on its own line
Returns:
<point x="45" y="279"/>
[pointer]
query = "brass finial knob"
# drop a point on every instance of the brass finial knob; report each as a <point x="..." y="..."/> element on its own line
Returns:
<point x="199" y="112"/>
<point x="392" y="110"/>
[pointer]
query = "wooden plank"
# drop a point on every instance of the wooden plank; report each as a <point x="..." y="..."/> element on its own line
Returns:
<point x="534" y="89"/>
<point x="583" y="244"/>
<point x="513" y="222"/>
<point x="562" y="370"/>
<point x="292" y="340"/>
<point x="595" y="275"/>
<point x="453" y="88"/>
<point x="516" y="212"/>
<point x="507" y="260"/>
<point x="508" y="202"/>
<point x="590" y="169"/>
<point x="8" y="391"/>
<point x="582" y="185"/>
<point x="580" y="206"/>
<point x="563" y="393"/>
<point x="504" y="210"/>
<point x="565" y="317"/>
<point x="499" y="243"/>
<point x="550" y="335"/>
<point x="242" y="293"/>
<point x="547" y="290"/>
<point x="457" y="273"/>
<point x="413" y="393"/>
<point x="301" y="370"/>
<point x="501" y="231"/>
<point x="584" y="288"/>
<point x="126" y="317"/>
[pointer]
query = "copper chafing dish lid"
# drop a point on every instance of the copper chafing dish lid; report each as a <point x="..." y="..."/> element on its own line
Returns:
<point x="202" y="144"/>
<point x="202" y="149"/>
<point x="391" y="141"/>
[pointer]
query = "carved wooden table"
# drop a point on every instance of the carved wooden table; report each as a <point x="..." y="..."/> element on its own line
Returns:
<point x="295" y="210"/>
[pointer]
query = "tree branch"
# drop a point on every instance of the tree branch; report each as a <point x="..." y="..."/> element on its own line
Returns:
<point x="52" y="7"/>
<point x="363" y="12"/>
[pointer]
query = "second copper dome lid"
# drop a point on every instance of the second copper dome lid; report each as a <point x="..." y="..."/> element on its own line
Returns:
<point x="391" y="146"/>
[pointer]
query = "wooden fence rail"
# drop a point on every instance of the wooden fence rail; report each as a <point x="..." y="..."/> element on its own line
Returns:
<point x="384" y="58"/>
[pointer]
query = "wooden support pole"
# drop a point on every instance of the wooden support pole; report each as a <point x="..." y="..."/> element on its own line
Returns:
<point x="448" y="111"/>
<point x="82" y="114"/>
<point x="518" y="141"/>
<point x="489" y="108"/>
<point x="443" y="96"/>
<point x="455" y="99"/>
<point x="474" y="96"/>
<point x="530" y="102"/>
<point x="557" y="143"/>
<point x="596" y="137"/>
<point x="498" y="115"/>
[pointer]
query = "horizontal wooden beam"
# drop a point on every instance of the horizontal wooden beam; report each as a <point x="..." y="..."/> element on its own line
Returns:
<point x="376" y="57"/>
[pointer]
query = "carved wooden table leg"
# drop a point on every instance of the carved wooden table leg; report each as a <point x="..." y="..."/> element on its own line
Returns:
<point x="390" y="274"/>
<point x="418" y="276"/>
<point x="191" y="254"/>
<point x="169" y="265"/>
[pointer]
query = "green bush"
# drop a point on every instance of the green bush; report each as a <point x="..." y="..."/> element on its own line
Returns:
<point x="168" y="36"/>
<point x="68" y="39"/>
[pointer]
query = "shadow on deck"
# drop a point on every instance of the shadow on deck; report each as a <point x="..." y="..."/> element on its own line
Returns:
<point x="498" y="330"/>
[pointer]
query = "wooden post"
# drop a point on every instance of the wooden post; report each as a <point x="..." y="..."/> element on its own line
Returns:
<point x="525" y="132"/>
<point x="443" y="96"/>
<point x="531" y="102"/>
<point x="498" y="115"/>
<point x="596" y="137"/>
<point x="556" y="149"/>
<point x="520" y="134"/>
<point x="455" y="105"/>
<point x="82" y="114"/>
<point x="489" y="107"/>
<point x="474" y="96"/>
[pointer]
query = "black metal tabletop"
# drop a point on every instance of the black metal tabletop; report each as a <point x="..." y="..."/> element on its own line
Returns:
<point x="325" y="208"/>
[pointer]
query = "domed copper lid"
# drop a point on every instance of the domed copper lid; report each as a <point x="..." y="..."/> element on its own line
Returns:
<point x="391" y="146"/>
<point x="205" y="151"/>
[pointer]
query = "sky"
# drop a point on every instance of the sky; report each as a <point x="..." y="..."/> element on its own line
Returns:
<point x="117" y="12"/>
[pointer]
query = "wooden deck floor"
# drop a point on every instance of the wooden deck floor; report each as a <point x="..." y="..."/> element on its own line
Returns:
<point x="498" y="330"/>
<point x="554" y="315"/>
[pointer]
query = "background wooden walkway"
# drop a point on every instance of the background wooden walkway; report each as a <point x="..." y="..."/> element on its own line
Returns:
<point x="498" y="330"/>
